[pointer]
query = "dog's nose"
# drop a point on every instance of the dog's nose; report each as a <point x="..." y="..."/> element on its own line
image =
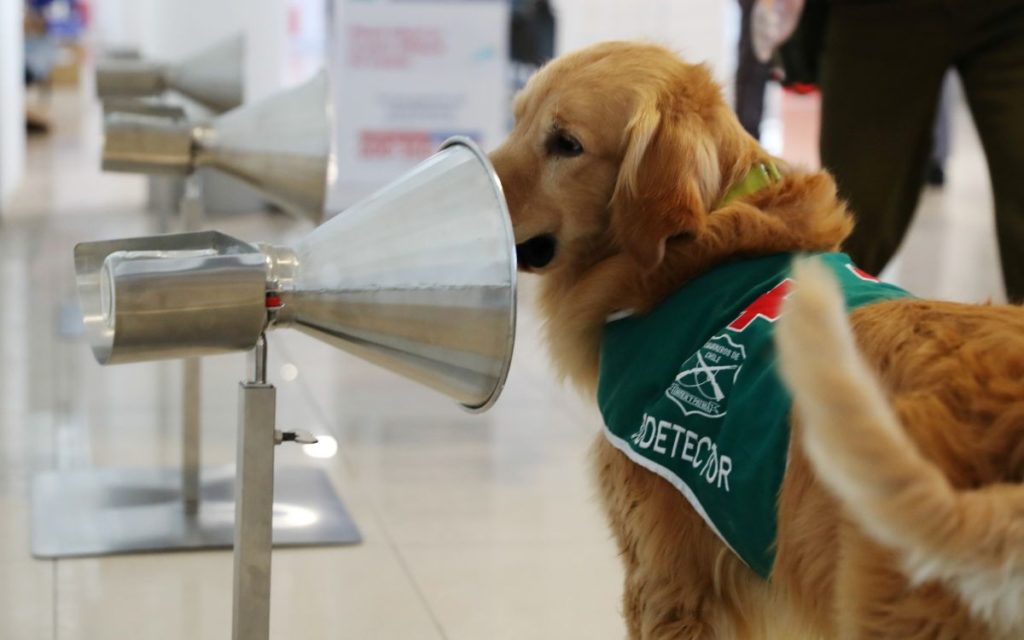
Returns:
<point x="537" y="252"/>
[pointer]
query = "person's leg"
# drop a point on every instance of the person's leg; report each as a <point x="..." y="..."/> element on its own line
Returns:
<point x="941" y="133"/>
<point x="752" y="77"/>
<point x="880" y="88"/>
<point x="992" y="71"/>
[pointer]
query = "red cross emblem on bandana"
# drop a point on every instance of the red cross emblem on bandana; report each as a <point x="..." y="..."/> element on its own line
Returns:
<point x="767" y="306"/>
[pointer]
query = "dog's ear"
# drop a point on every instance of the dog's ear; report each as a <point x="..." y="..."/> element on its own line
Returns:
<point x="668" y="176"/>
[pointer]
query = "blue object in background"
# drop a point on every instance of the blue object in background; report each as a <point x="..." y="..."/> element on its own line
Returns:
<point x="40" y="56"/>
<point x="63" y="17"/>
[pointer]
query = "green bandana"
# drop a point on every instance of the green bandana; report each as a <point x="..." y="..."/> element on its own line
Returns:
<point x="689" y="391"/>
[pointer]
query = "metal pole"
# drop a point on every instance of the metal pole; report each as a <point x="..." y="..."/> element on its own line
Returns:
<point x="164" y="215"/>
<point x="191" y="210"/>
<point x="191" y="207"/>
<point x="254" y="502"/>
<point x="190" y="444"/>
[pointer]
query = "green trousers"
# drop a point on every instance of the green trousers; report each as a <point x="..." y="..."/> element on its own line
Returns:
<point x="882" y="71"/>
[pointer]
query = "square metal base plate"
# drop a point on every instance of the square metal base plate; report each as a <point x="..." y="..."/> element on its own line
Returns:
<point x="98" y="512"/>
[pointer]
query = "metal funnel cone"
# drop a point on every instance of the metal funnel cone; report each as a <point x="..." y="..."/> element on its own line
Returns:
<point x="419" y="278"/>
<point x="280" y="146"/>
<point x="212" y="77"/>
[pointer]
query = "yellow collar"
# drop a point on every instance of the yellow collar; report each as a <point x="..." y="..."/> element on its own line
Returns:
<point x="761" y="175"/>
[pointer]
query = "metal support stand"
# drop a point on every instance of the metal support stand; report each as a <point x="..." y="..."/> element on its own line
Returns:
<point x="190" y="469"/>
<point x="254" y="499"/>
<point x="191" y="205"/>
<point x="165" y="194"/>
<point x="95" y="512"/>
<point x="191" y="208"/>
<point x="254" y="502"/>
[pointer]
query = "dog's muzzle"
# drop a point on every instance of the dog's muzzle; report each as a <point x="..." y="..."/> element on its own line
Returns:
<point x="536" y="252"/>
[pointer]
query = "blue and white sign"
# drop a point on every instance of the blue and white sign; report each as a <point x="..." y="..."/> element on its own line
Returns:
<point x="408" y="75"/>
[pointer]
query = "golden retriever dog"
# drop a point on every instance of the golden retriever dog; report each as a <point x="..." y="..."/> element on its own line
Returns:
<point x="900" y="515"/>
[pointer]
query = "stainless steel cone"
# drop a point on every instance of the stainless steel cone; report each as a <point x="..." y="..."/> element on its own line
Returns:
<point x="212" y="77"/>
<point x="280" y="146"/>
<point x="419" y="278"/>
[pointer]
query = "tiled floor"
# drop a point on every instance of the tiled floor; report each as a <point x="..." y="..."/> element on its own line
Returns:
<point x="476" y="527"/>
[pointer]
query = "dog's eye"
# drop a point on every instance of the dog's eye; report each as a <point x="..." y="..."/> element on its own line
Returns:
<point x="562" y="144"/>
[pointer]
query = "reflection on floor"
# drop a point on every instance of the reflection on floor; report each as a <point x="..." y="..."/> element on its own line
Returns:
<point x="476" y="527"/>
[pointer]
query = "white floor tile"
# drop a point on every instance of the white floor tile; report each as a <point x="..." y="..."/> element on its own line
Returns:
<point x="511" y="592"/>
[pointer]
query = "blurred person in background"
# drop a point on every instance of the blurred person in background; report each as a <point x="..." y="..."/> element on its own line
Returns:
<point x="941" y="134"/>
<point x="531" y="38"/>
<point x="531" y="43"/>
<point x="40" y="50"/>
<point x="882" y="71"/>
<point x="40" y="57"/>
<point x="752" y="75"/>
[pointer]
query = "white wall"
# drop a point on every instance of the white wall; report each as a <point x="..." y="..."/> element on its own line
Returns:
<point x="700" y="30"/>
<point x="118" y="23"/>
<point x="12" y="99"/>
<point x="172" y="29"/>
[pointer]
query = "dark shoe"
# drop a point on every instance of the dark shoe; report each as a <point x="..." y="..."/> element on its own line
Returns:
<point x="936" y="175"/>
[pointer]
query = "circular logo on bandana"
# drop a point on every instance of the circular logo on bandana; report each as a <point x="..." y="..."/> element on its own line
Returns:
<point x="705" y="380"/>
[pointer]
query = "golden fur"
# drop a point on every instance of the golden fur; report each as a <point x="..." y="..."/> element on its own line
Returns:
<point x="934" y="448"/>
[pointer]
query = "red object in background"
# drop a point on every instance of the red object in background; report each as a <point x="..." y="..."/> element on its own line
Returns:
<point x="411" y="144"/>
<point x="82" y="9"/>
<point x="294" y="20"/>
<point x="801" y="88"/>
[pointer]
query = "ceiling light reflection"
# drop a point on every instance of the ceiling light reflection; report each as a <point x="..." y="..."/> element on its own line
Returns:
<point x="291" y="516"/>
<point x="289" y="372"/>
<point x="325" y="447"/>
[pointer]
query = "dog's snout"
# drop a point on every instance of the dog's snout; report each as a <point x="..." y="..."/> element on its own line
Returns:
<point x="511" y="176"/>
<point x="537" y="252"/>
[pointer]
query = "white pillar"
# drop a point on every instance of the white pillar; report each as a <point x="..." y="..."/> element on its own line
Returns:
<point x="12" y="98"/>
